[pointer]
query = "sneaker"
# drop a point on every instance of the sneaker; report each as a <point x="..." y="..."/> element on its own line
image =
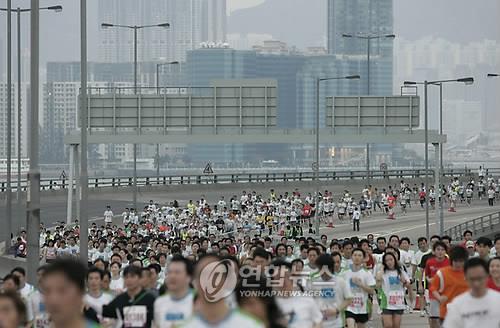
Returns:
<point x="422" y="313"/>
<point x="330" y="225"/>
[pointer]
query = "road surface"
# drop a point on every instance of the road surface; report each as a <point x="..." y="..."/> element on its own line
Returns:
<point x="411" y="225"/>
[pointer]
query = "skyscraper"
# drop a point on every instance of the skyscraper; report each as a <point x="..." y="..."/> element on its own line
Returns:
<point x="3" y="120"/>
<point x="217" y="21"/>
<point x="191" y="23"/>
<point x="359" y="16"/>
<point x="366" y="17"/>
<point x="2" y="59"/>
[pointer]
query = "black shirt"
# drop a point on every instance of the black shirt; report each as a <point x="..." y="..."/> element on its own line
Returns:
<point x="424" y="260"/>
<point x="135" y="313"/>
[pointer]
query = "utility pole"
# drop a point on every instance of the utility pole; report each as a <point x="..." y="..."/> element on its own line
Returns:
<point x="33" y="198"/>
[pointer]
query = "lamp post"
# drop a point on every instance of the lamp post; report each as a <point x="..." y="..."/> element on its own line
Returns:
<point x="8" y="205"/>
<point x="316" y="166"/>
<point x="33" y="192"/>
<point x="368" y="38"/>
<point x="18" y="12"/>
<point x="158" y="73"/>
<point x="158" y="91"/>
<point x="440" y="214"/>
<point x="135" y="28"/>
<point x="84" y="182"/>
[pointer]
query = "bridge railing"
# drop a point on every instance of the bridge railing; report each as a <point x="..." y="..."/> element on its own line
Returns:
<point x="482" y="225"/>
<point x="292" y="176"/>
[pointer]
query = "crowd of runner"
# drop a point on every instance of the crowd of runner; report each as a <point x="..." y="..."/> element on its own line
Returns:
<point x="252" y="261"/>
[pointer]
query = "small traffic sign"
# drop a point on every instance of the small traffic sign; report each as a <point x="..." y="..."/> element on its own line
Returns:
<point x="383" y="167"/>
<point x="315" y="166"/>
<point x="208" y="169"/>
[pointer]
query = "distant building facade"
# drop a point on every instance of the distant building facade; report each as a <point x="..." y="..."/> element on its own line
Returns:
<point x="191" y="23"/>
<point x="366" y="17"/>
<point x="14" y="121"/>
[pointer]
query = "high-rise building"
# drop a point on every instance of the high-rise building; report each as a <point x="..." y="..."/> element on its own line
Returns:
<point x="60" y="114"/>
<point x="296" y="76"/>
<point x="191" y="23"/>
<point x="60" y="104"/>
<point x="2" y="60"/>
<point x="60" y="107"/>
<point x="217" y="21"/>
<point x="14" y="121"/>
<point x="363" y="17"/>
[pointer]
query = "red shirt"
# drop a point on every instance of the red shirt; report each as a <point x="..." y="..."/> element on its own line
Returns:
<point x="392" y="201"/>
<point x="370" y="262"/>
<point x="306" y="211"/>
<point x="432" y="266"/>
<point x="491" y="285"/>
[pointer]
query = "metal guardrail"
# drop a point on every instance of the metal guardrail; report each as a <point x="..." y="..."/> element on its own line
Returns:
<point x="482" y="225"/>
<point x="294" y="176"/>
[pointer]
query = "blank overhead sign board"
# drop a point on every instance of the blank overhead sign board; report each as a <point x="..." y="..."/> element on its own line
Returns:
<point x="218" y="109"/>
<point x="363" y="114"/>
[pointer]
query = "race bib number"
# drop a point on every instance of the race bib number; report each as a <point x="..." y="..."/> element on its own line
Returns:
<point x="358" y="302"/>
<point x="42" y="321"/>
<point x="396" y="299"/>
<point x="134" y="316"/>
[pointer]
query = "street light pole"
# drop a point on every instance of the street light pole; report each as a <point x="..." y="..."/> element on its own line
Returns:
<point x="19" y="110"/>
<point x="8" y="206"/>
<point x="84" y="183"/>
<point x="158" y="65"/>
<point x="316" y="165"/>
<point x="368" y="38"/>
<point x="439" y="163"/>
<point x="13" y="226"/>
<point x="135" y="145"/>
<point x="426" y="158"/>
<point x="33" y="198"/>
<point x="18" y="12"/>
<point x="441" y="169"/>
<point x="135" y="28"/>
<point x="368" y="55"/>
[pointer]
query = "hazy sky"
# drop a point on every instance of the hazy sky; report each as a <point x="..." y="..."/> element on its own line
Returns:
<point x="456" y="20"/>
<point x="240" y="4"/>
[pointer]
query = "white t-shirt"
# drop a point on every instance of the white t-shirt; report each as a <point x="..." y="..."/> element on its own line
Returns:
<point x="37" y="308"/>
<point x="417" y="258"/>
<point x="392" y="293"/>
<point x="108" y="216"/>
<point x="466" y="311"/>
<point x="406" y="257"/>
<point x="97" y="302"/>
<point x="356" y="215"/>
<point x="359" y="303"/>
<point x="236" y="318"/>
<point x="26" y="291"/>
<point x="117" y="285"/>
<point x="300" y="311"/>
<point x="170" y="311"/>
<point x="75" y="250"/>
<point x="100" y="255"/>
<point x="491" y="193"/>
<point x="330" y="294"/>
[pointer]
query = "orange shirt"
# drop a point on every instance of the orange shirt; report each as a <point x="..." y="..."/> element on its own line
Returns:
<point x="449" y="283"/>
